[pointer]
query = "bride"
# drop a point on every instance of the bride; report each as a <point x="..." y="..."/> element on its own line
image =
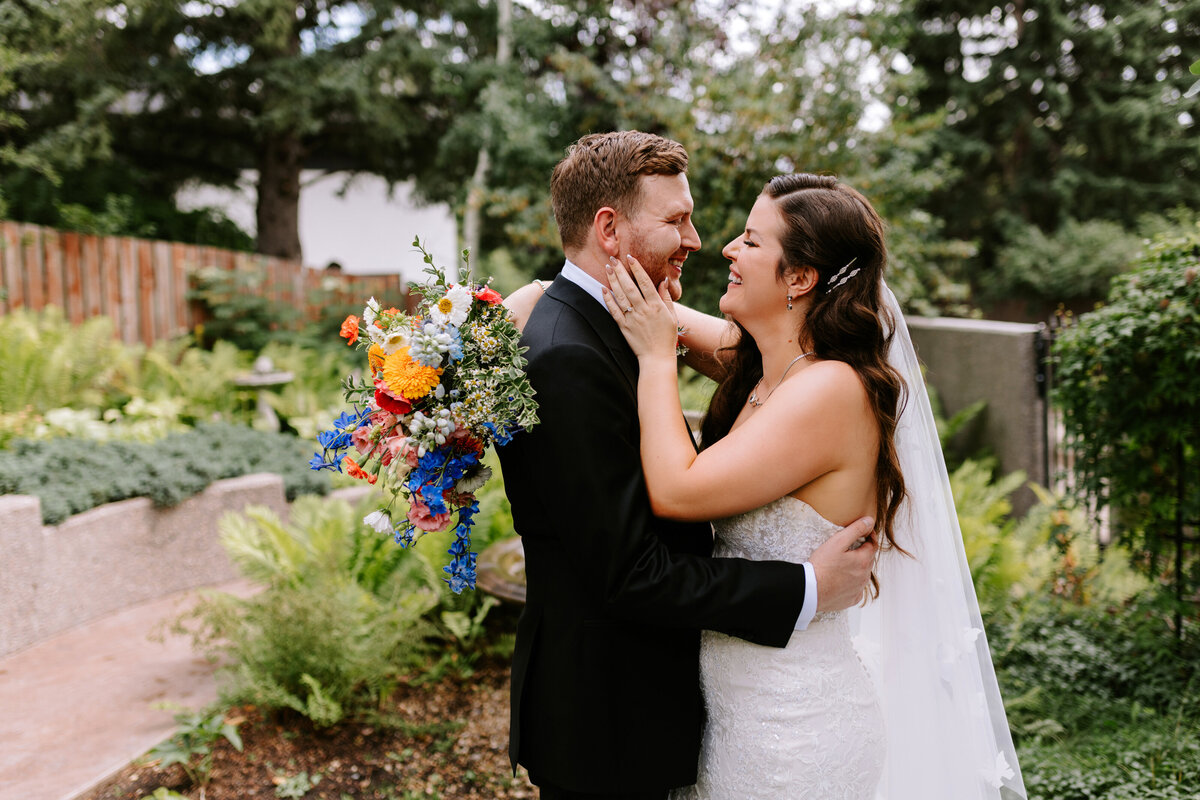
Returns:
<point x="821" y="417"/>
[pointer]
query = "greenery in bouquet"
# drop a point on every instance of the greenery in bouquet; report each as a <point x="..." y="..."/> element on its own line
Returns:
<point x="445" y="383"/>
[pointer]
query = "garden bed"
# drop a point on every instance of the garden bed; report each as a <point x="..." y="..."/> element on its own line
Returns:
<point x="440" y="738"/>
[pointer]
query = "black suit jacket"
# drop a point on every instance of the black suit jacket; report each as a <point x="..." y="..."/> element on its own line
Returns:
<point x="605" y="678"/>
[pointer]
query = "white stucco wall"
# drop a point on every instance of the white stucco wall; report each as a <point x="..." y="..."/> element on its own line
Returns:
<point x="365" y="231"/>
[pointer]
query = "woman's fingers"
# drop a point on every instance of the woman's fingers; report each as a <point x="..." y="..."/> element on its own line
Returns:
<point x="614" y="306"/>
<point x="616" y="289"/>
<point x="630" y="289"/>
<point x="645" y="285"/>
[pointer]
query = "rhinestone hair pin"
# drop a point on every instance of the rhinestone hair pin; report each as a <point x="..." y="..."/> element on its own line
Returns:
<point x="841" y="277"/>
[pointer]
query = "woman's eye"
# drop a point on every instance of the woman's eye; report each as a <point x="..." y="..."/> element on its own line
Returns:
<point x="748" y="243"/>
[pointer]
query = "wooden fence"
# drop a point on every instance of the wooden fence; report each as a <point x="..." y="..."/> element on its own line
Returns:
<point x="141" y="285"/>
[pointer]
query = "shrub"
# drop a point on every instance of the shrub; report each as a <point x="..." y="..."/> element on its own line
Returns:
<point x="1159" y="760"/>
<point x="1128" y="382"/>
<point x="1076" y="262"/>
<point x="70" y="476"/>
<point x="339" y="620"/>
<point x="236" y="309"/>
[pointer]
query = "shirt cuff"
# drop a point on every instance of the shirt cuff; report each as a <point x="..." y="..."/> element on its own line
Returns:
<point x="809" y="609"/>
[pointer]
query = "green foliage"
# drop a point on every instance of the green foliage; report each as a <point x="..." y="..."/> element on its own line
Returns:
<point x="1001" y="565"/>
<point x="1128" y="382"/>
<point x="1050" y="112"/>
<point x="163" y="793"/>
<point x="1077" y="261"/>
<point x="70" y="476"/>
<point x="68" y="91"/>
<point x="958" y="434"/>
<point x="191" y="745"/>
<point x="236" y="309"/>
<point x="60" y="379"/>
<point x="45" y="362"/>
<point x="339" y="620"/>
<point x="297" y="785"/>
<point x="1158" y="759"/>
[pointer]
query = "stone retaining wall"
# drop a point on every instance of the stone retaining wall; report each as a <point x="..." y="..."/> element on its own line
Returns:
<point x="54" y="577"/>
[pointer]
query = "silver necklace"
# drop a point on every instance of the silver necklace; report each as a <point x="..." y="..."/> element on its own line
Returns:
<point x="754" y="401"/>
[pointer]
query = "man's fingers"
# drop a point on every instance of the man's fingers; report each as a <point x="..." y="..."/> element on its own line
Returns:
<point x="856" y="534"/>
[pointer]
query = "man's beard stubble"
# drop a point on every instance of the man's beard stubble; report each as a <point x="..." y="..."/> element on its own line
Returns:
<point x="656" y="266"/>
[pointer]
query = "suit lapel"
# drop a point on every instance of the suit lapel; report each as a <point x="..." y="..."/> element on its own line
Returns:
<point x="598" y="318"/>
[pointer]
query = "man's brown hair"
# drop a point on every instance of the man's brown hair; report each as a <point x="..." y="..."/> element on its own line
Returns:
<point x="602" y="169"/>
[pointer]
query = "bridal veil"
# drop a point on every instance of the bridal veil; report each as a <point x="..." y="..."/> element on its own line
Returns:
<point x="923" y="639"/>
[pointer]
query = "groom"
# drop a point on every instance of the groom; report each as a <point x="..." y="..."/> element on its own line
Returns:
<point x="606" y="699"/>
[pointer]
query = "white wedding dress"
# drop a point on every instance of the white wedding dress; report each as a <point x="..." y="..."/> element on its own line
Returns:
<point x="798" y="722"/>
<point x="897" y="700"/>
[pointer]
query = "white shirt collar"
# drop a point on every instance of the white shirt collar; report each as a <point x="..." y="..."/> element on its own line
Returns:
<point x="577" y="276"/>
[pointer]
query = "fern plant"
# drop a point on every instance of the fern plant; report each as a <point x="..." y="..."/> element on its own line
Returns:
<point x="341" y="617"/>
<point x="46" y="362"/>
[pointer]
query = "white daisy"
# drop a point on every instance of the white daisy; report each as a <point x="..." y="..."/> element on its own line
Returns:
<point x="393" y="340"/>
<point x="453" y="308"/>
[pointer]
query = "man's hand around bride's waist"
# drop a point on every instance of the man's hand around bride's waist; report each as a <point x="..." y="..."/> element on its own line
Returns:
<point x="843" y="565"/>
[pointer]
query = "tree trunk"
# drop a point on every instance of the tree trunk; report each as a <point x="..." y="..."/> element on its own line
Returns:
<point x="278" y="209"/>
<point x="473" y="215"/>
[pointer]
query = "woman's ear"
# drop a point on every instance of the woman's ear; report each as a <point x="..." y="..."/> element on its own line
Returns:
<point x="801" y="281"/>
<point x="604" y="226"/>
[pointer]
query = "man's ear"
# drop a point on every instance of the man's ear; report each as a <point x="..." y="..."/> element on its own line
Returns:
<point x="801" y="281"/>
<point x="604" y="227"/>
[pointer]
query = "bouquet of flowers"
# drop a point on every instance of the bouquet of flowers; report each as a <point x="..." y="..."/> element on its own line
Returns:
<point x="445" y="383"/>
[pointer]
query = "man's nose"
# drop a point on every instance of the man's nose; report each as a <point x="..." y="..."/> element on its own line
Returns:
<point x="691" y="238"/>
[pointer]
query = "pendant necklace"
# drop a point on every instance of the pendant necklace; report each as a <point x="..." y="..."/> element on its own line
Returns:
<point x="754" y="401"/>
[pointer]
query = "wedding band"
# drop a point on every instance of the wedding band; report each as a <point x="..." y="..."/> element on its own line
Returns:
<point x="627" y="310"/>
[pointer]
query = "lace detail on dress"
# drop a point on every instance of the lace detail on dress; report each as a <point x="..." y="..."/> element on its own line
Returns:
<point x="786" y="723"/>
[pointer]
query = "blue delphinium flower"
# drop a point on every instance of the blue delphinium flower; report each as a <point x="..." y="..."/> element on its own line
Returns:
<point x="461" y="568"/>
<point x="318" y="462"/>
<point x="337" y="440"/>
<point x="405" y="535"/>
<point x="501" y="435"/>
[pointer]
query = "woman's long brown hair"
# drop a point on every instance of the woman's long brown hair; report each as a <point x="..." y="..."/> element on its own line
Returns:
<point x="826" y="226"/>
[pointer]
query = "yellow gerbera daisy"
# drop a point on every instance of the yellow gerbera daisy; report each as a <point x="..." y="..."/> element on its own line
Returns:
<point x="375" y="357"/>
<point x="407" y="378"/>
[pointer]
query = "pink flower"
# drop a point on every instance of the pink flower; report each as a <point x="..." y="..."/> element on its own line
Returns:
<point x="388" y="400"/>
<point x="392" y="447"/>
<point x="418" y="515"/>
<point x="366" y="439"/>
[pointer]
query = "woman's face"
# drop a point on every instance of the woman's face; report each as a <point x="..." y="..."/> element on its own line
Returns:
<point x="754" y="284"/>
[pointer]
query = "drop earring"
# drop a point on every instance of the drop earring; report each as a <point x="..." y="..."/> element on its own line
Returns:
<point x="789" y="303"/>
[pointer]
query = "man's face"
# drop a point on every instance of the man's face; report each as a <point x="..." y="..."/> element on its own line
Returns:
<point x="660" y="233"/>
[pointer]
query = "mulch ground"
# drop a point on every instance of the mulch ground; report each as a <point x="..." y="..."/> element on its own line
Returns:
<point x="445" y="740"/>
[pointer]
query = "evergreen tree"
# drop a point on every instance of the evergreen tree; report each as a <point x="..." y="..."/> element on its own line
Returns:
<point x="1054" y="110"/>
